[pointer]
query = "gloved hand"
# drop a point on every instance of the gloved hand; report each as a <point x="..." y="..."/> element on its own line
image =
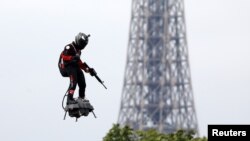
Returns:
<point x="92" y="71"/>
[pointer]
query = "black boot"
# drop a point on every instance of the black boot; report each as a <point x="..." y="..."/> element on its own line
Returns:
<point x="70" y="100"/>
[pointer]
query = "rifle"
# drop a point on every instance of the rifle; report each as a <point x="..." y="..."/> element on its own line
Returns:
<point x="93" y="73"/>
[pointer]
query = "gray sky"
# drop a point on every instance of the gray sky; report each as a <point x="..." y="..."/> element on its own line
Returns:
<point x="34" y="32"/>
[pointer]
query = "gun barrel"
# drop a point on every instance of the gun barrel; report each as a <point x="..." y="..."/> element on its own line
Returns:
<point x="104" y="86"/>
<point x="100" y="81"/>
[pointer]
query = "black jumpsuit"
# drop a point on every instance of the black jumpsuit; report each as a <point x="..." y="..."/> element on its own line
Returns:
<point x="74" y="66"/>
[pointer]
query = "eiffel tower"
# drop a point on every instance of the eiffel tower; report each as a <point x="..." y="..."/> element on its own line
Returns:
<point x="157" y="91"/>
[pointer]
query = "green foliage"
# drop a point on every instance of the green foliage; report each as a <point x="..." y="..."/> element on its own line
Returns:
<point x="117" y="133"/>
<point x="151" y="135"/>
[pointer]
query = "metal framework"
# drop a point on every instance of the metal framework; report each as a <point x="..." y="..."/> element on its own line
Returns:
<point x="157" y="90"/>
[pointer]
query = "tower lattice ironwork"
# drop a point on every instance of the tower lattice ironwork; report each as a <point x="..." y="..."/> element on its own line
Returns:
<point x="157" y="91"/>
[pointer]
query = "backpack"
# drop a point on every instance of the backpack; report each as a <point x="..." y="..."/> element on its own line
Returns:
<point x="61" y="67"/>
<point x="61" y="64"/>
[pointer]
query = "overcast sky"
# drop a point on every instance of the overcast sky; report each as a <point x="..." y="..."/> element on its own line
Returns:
<point x="34" y="32"/>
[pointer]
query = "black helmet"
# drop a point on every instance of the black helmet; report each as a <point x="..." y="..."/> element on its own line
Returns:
<point x="81" y="40"/>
